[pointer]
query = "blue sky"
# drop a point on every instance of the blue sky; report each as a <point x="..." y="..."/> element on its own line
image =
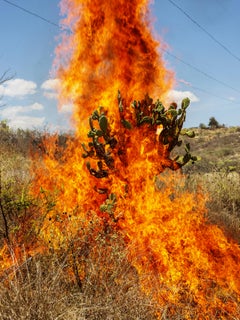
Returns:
<point x="27" y="52"/>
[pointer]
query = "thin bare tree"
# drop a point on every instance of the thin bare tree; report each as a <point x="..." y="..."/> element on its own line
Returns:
<point x="4" y="78"/>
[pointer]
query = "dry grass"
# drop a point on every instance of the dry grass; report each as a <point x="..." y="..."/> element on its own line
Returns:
<point x="223" y="199"/>
<point x="46" y="287"/>
<point x="42" y="288"/>
<point x="35" y="290"/>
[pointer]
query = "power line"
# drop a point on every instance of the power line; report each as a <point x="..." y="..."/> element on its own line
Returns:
<point x="200" y="71"/>
<point x="205" y="31"/>
<point x="208" y="92"/>
<point x="170" y="54"/>
<point x="32" y="13"/>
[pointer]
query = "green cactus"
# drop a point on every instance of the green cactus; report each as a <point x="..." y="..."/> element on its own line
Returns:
<point x="103" y="123"/>
<point x="185" y="103"/>
<point x="95" y="115"/>
<point x="145" y="113"/>
<point x="190" y="134"/>
<point x="109" y="206"/>
<point x="99" y="133"/>
<point x="104" y="145"/>
<point x="126" y="124"/>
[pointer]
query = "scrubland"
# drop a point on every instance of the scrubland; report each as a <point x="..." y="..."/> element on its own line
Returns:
<point x="49" y="286"/>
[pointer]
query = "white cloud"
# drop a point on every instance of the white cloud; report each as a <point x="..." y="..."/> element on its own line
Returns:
<point x="36" y="106"/>
<point x="26" y="122"/>
<point x="17" y="88"/>
<point x="178" y="96"/>
<point x="17" y="116"/>
<point x="51" y="88"/>
<point x="50" y="95"/>
<point x="51" y="84"/>
<point x="13" y="111"/>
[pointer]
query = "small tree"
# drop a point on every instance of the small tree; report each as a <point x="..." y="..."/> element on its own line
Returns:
<point x="202" y="126"/>
<point x="213" y="123"/>
<point x="3" y="78"/>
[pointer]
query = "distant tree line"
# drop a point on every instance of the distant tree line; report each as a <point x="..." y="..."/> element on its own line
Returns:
<point x="212" y="124"/>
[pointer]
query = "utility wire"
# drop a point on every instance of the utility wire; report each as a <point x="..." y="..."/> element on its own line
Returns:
<point x="208" y="92"/>
<point x="205" y="31"/>
<point x="170" y="54"/>
<point x="200" y="71"/>
<point x="32" y="13"/>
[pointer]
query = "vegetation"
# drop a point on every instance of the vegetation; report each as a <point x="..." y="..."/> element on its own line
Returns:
<point x="212" y="124"/>
<point x="40" y="288"/>
<point x="218" y="172"/>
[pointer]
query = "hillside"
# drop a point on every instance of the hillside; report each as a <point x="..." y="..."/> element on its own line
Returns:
<point x="218" y="149"/>
<point x="217" y="174"/>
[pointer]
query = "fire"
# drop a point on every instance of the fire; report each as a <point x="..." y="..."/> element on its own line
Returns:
<point x="112" y="49"/>
<point x="185" y="258"/>
<point x="180" y="258"/>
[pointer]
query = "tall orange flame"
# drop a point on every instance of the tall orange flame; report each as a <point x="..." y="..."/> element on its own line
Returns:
<point x="112" y="49"/>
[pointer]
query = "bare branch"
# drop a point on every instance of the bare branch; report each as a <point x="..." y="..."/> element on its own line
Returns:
<point x="4" y="78"/>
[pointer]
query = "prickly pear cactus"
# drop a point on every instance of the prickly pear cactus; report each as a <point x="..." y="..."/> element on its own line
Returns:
<point x="105" y="144"/>
<point x="154" y="115"/>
